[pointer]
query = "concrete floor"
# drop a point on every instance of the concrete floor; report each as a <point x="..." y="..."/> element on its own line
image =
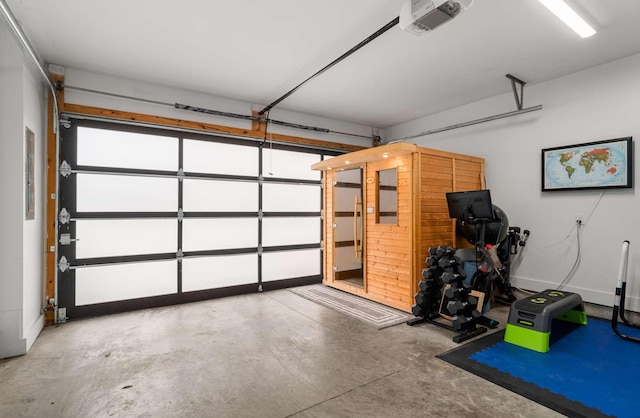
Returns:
<point x="273" y="354"/>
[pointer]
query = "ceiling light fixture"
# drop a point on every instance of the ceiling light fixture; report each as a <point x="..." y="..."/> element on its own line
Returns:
<point x="569" y="17"/>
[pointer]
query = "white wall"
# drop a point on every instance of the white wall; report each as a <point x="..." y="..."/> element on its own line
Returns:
<point x="592" y="105"/>
<point x="169" y="96"/>
<point x="11" y="215"/>
<point x="34" y="111"/>
<point x="21" y="241"/>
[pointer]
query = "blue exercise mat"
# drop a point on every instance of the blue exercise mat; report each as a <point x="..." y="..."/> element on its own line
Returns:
<point x="588" y="371"/>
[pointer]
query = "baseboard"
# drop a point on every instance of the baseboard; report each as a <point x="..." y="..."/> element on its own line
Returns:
<point x="32" y="333"/>
<point x="588" y="295"/>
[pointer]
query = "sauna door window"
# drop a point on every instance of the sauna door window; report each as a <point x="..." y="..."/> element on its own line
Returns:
<point x="387" y="195"/>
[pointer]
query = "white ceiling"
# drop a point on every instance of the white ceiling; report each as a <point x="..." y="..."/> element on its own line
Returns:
<point x="256" y="50"/>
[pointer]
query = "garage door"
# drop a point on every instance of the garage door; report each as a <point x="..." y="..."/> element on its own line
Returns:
<point x="151" y="217"/>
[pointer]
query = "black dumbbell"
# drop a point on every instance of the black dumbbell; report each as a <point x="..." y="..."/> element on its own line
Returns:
<point x="423" y="299"/>
<point x="426" y="285"/>
<point x="463" y="322"/>
<point x="452" y="292"/>
<point x="460" y="322"/>
<point x="417" y="310"/>
<point x="445" y="262"/>
<point x="433" y="251"/>
<point x="450" y="277"/>
<point x="457" y="307"/>
<point x="441" y="250"/>
<point x="432" y="261"/>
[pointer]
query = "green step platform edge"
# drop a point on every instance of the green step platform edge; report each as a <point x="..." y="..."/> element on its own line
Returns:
<point x="537" y="340"/>
<point x="527" y="338"/>
<point x="574" y="316"/>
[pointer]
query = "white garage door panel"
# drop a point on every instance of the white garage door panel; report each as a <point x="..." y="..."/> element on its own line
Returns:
<point x="125" y="281"/>
<point x="112" y="193"/>
<point x="107" y="148"/>
<point x="290" y="164"/>
<point x="218" y="234"/>
<point x="219" y="196"/>
<point x="219" y="158"/>
<point x="290" y="264"/>
<point x="220" y="271"/>
<point x="290" y="231"/>
<point x="291" y="198"/>
<point x="116" y="237"/>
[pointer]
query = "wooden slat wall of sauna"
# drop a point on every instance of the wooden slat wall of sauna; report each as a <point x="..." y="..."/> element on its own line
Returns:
<point x="389" y="260"/>
<point x="436" y="179"/>
<point x="327" y="181"/>
<point x="468" y="175"/>
<point x="440" y="173"/>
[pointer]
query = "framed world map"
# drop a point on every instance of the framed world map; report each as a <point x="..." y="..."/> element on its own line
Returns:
<point x="592" y="165"/>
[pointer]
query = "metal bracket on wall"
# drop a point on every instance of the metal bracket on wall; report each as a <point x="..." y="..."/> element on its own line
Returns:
<point x="64" y="217"/>
<point x="65" y="122"/>
<point x="61" y="315"/>
<point x="63" y="264"/>
<point x="519" y="98"/>
<point x="65" y="239"/>
<point x="65" y="169"/>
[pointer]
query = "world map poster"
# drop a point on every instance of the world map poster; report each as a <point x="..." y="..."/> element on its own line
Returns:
<point x="601" y="164"/>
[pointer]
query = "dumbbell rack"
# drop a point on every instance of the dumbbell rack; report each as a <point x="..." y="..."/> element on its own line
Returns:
<point x="460" y="337"/>
<point x="445" y="268"/>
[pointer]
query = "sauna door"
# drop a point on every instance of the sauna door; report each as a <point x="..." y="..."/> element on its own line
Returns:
<point x="348" y="227"/>
<point x="389" y="233"/>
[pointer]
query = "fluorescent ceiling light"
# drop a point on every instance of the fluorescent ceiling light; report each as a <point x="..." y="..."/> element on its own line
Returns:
<point x="569" y="17"/>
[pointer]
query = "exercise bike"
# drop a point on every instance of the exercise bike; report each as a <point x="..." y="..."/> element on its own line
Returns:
<point x="496" y="243"/>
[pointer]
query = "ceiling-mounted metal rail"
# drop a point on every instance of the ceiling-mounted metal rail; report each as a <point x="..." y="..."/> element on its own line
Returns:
<point x="520" y="110"/>
<point x="261" y="119"/>
<point x="474" y="122"/>
<point x="370" y="38"/>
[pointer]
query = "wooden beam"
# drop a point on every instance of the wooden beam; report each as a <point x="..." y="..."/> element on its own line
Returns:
<point x="256" y="125"/>
<point x="52" y="200"/>
<point x="119" y="115"/>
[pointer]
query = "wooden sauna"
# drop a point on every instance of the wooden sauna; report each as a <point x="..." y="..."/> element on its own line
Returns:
<point x="383" y="208"/>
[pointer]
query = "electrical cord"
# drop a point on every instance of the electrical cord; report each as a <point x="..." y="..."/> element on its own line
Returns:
<point x="578" y="225"/>
<point x="576" y="262"/>
<point x="528" y="292"/>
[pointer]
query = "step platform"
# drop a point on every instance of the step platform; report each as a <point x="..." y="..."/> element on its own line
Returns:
<point x="529" y="323"/>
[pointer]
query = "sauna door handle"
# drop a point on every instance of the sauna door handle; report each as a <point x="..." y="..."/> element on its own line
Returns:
<point x="356" y="245"/>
